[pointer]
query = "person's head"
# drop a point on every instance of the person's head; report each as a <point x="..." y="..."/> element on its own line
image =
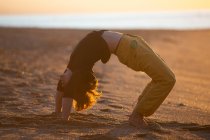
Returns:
<point x="82" y="87"/>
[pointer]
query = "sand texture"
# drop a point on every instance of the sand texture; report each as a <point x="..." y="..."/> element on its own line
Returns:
<point x="31" y="61"/>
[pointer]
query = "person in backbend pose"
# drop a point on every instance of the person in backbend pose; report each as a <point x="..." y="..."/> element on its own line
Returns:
<point x="78" y="82"/>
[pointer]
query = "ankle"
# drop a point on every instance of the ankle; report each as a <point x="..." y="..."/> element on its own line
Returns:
<point x="137" y="114"/>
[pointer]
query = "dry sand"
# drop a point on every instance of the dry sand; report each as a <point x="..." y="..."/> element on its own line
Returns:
<point x="31" y="61"/>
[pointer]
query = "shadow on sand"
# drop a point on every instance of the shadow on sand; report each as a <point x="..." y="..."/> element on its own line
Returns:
<point x="87" y="124"/>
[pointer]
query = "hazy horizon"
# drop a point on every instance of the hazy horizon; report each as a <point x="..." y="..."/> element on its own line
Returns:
<point x="132" y="20"/>
<point x="162" y="14"/>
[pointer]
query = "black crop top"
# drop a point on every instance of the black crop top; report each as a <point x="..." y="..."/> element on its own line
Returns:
<point x="88" y="51"/>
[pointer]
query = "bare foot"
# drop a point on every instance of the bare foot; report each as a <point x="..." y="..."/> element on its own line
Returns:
<point x="137" y="120"/>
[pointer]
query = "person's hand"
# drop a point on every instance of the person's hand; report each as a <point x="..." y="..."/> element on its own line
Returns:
<point x="67" y="106"/>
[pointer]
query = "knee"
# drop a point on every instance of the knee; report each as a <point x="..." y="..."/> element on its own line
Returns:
<point x="170" y="79"/>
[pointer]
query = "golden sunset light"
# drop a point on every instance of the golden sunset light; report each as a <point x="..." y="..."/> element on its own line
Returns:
<point x="104" y="69"/>
<point x="91" y="6"/>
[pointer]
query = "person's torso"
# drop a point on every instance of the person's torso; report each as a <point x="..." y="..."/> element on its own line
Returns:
<point x="88" y="51"/>
<point x="112" y="39"/>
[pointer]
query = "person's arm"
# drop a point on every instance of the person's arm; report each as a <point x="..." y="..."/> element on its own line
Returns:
<point x="58" y="102"/>
<point x="59" y="94"/>
<point x="67" y="104"/>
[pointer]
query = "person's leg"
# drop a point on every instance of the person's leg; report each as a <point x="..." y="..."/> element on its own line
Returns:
<point x="137" y="119"/>
<point x="162" y="82"/>
<point x="134" y="52"/>
<point x="158" y="89"/>
<point x="152" y="97"/>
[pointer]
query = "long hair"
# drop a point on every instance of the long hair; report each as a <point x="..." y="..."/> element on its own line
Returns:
<point x="82" y="87"/>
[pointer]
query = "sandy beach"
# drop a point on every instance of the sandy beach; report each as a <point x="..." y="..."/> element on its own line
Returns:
<point x="31" y="61"/>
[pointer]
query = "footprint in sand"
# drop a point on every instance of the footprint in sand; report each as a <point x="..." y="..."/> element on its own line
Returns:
<point x="105" y="110"/>
<point x="198" y="128"/>
<point x="181" y="105"/>
<point x="113" y="106"/>
<point x="116" y="106"/>
<point x="104" y="100"/>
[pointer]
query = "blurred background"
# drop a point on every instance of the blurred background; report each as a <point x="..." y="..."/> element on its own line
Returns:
<point x="117" y="14"/>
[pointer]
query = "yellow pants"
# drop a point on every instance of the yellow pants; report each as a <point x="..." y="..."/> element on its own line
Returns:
<point x="134" y="52"/>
